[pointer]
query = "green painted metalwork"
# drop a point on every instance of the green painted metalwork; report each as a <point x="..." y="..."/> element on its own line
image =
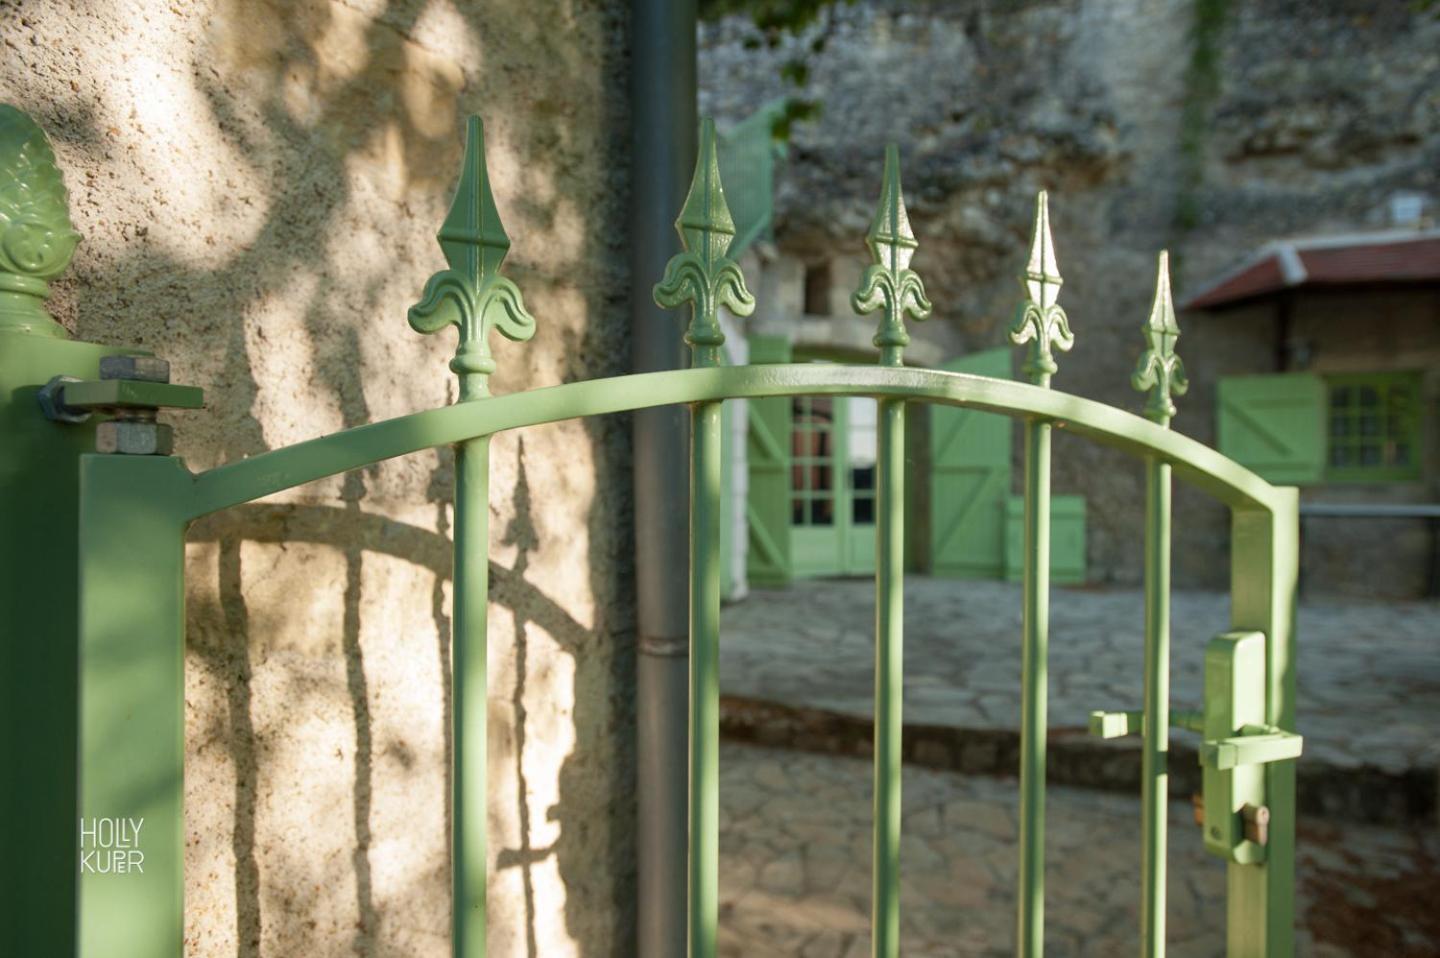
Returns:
<point x="889" y="284"/>
<point x="36" y="238"/>
<point x="130" y="613"/>
<point x="37" y="537"/>
<point x="1040" y="320"/>
<point x="1042" y="323"/>
<point x="1068" y="517"/>
<point x="469" y="701"/>
<point x="132" y="699"/>
<point x="131" y="393"/>
<point x="472" y="295"/>
<point x="1160" y="371"/>
<point x="704" y="276"/>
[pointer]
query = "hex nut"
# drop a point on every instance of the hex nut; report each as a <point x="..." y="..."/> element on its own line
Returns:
<point x="124" y="438"/>
<point x="52" y="401"/>
<point x="150" y="369"/>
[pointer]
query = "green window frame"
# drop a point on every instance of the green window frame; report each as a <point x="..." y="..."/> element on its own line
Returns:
<point x="1372" y="423"/>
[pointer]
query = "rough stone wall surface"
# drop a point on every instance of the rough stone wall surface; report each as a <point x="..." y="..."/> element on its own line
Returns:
<point x="258" y="185"/>
<point x="1306" y="119"/>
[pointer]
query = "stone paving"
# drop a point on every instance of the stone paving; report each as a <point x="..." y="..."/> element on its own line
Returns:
<point x="1369" y="673"/>
<point x="795" y="859"/>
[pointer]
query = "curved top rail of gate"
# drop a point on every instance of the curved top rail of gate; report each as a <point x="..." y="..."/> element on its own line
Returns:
<point x="270" y="472"/>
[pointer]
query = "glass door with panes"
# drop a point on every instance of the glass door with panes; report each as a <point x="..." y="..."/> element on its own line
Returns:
<point x="832" y="485"/>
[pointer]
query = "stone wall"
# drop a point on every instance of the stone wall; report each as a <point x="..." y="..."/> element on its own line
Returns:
<point x="258" y="185"/>
<point x="1198" y="125"/>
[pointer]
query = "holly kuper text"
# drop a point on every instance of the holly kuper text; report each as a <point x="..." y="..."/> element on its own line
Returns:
<point x="111" y="846"/>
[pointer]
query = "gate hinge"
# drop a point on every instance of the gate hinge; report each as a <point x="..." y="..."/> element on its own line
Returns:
<point x="131" y="390"/>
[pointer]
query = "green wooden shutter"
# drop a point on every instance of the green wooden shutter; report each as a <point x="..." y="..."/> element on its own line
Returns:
<point x="969" y="480"/>
<point x="746" y="154"/>
<point x="767" y="453"/>
<point x="1067" y="539"/>
<point x="1275" y="425"/>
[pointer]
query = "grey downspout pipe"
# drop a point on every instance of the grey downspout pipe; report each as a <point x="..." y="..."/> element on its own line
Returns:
<point x="663" y="125"/>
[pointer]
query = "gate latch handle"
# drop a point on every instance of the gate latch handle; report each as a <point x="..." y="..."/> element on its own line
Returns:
<point x="1255" y="745"/>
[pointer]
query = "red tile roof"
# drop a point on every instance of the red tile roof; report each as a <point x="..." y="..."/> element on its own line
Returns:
<point x="1326" y="261"/>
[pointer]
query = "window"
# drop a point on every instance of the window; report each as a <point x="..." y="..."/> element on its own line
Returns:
<point x="1373" y="430"/>
<point x="812" y="487"/>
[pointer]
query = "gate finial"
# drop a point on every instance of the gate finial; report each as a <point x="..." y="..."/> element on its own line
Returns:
<point x="889" y="282"/>
<point x="472" y="294"/>
<point x="1160" y="369"/>
<point x="36" y="237"/>
<point x="1040" y="320"/>
<point x="703" y="275"/>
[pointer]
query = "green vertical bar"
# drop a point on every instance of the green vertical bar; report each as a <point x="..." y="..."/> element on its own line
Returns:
<point x="1154" y="773"/>
<point x="132" y="703"/>
<point x="704" y="678"/>
<point x="1264" y="566"/>
<point x="1030" y="939"/>
<point x="889" y="675"/>
<point x="469" y="867"/>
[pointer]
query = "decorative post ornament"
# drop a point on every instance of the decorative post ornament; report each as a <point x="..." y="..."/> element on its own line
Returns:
<point x="889" y="283"/>
<point x="36" y="236"/>
<point x="1160" y="369"/>
<point x="703" y="275"/>
<point x="1040" y="321"/>
<point x="471" y="294"/>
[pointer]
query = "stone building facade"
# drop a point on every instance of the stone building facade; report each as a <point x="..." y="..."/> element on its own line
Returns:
<point x="1200" y="126"/>
<point x="258" y="187"/>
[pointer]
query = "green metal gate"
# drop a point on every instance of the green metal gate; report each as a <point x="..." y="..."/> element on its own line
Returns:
<point x="134" y="511"/>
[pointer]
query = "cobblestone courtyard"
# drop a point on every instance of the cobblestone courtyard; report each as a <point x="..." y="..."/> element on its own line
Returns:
<point x="812" y="645"/>
<point x="796" y="825"/>
<point x="795" y="878"/>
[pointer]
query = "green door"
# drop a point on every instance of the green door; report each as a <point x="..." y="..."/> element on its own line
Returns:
<point x="970" y="480"/>
<point x="1274" y="424"/>
<point x="767" y="455"/>
<point x="832" y="485"/>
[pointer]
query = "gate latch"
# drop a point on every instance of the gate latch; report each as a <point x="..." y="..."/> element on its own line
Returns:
<point x="1237" y="746"/>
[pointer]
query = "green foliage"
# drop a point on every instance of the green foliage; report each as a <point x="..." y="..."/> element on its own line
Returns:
<point x="1202" y="87"/>
<point x="776" y="21"/>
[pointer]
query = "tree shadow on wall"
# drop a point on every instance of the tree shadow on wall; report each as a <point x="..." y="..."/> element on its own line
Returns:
<point x="193" y="310"/>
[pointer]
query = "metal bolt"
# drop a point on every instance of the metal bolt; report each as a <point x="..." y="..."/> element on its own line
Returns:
<point x="150" y="369"/>
<point x="135" y="437"/>
<point x="1257" y="823"/>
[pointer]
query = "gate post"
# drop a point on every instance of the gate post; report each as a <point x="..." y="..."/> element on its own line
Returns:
<point x="131" y="706"/>
<point x="1264" y="569"/>
<point x="39" y="483"/>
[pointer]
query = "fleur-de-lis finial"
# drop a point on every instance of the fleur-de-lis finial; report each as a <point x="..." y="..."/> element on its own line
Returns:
<point x="1160" y="369"/>
<point x="889" y="282"/>
<point x="472" y="294"/>
<point x="703" y="275"/>
<point x="1040" y="320"/>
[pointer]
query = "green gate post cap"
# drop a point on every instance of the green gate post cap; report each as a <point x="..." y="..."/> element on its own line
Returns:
<point x="36" y="236"/>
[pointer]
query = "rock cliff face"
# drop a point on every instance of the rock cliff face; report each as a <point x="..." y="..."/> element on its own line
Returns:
<point x="1197" y="125"/>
